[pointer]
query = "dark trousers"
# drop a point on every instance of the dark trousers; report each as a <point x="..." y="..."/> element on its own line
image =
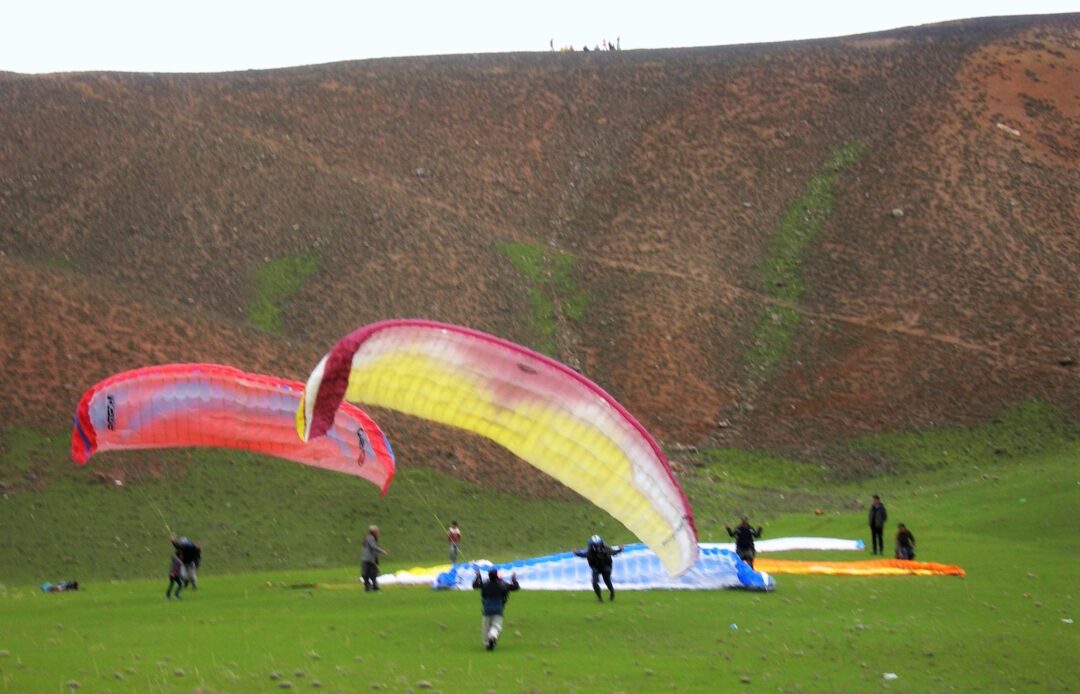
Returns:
<point x="369" y="571"/>
<point x="596" y="574"/>
<point x="174" y="581"/>
<point x="877" y="537"/>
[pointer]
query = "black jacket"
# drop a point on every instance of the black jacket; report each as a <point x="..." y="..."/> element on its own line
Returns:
<point x="190" y="553"/>
<point x="878" y="515"/>
<point x="744" y="536"/>
<point x="598" y="556"/>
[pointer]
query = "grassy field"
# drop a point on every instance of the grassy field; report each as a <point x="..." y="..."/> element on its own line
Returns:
<point x="259" y="624"/>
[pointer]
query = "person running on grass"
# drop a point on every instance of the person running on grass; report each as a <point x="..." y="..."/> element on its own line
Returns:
<point x="494" y="594"/>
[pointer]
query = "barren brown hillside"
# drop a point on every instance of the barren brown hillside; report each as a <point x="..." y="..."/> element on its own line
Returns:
<point x="941" y="288"/>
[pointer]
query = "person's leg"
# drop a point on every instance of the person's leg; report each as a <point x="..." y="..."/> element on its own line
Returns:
<point x="596" y="584"/>
<point x="607" y="582"/>
<point x="365" y="574"/>
<point x="191" y="576"/>
<point x="485" y="628"/>
<point x="453" y="553"/>
<point x="496" y="629"/>
<point x="371" y="573"/>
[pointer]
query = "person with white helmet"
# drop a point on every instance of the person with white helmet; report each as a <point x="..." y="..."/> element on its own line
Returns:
<point x="599" y="557"/>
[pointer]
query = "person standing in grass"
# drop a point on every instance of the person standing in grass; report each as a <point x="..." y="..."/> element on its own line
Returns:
<point x="877" y="517"/>
<point x="744" y="540"/>
<point x="369" y="559"/>
<point x="599" y="557"/>
<point x="176" y="569"/>
<point x="493" y="596"/>
<point x="905" y="543"/>
<point x="453" y="537"/>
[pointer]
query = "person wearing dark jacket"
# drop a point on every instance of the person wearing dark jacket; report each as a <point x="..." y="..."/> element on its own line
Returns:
<point x="493" y="596"/>
<point x="905" y="543"/>
<point x="190" y="557"/>
<point x="599" y="557"/>
<point x="176" y="568"/>
<point x="744" y="540"/>
<point x="877" y="517"/>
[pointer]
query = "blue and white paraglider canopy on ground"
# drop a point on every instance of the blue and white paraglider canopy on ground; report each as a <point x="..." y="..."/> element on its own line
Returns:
<point x="636" y="568"/>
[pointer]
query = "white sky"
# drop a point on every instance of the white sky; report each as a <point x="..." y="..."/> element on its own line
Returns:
<point x="220" y="35"/>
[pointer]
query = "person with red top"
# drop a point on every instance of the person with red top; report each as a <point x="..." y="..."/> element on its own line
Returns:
<point x="453" y="537"/>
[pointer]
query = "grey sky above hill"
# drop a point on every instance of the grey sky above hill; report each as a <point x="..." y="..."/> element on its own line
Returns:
<point x="214" y="36"/>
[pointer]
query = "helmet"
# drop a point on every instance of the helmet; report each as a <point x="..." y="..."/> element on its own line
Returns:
<point x="595" y="540"/>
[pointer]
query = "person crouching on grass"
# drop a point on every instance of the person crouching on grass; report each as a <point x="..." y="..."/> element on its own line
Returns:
<point x="493" y="596"/>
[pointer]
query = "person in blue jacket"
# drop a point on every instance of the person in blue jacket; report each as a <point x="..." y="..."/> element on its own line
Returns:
<point x="494" y="594"/>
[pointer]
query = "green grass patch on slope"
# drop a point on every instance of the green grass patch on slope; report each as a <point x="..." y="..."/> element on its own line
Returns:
<point x="1029" y="428"/>
<point x="781" y="274"/>
<point x="273" y="283"/>
<point x="553" y="293"/>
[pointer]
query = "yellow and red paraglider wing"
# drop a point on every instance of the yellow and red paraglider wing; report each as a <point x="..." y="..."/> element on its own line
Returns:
<point x="178" y="405"/>
<point x="544" y="412"/>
